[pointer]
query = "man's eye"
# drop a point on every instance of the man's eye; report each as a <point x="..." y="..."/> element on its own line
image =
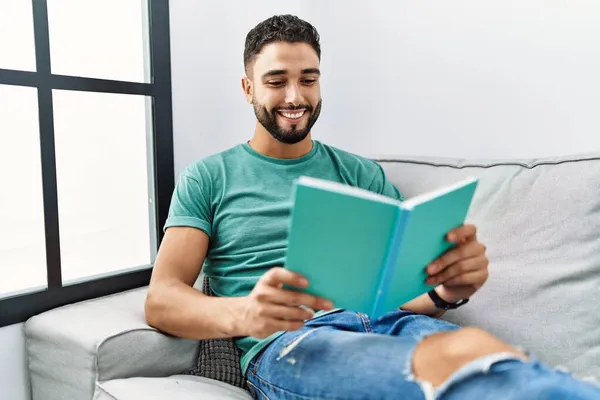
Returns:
<point x="275" y="83"/>
<point x="309" y="81"/>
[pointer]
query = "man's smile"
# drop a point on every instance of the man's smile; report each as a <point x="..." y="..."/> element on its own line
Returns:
<point x="292" y="115"/>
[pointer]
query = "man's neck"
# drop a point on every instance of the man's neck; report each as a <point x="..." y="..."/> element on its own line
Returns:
<point x="267" y="145"/>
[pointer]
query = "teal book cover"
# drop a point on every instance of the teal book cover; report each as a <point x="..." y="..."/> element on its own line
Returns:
<point x="367" y="252"/>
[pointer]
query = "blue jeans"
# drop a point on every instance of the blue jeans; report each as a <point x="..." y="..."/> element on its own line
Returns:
<point x="347" y="355"/>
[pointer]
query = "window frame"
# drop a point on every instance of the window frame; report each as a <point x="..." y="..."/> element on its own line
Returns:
<point x="21" y="307"/>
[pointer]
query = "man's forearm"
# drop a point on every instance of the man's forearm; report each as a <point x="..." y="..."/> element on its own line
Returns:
<point x="185" y="312"/>
<point x="423" y="305"/>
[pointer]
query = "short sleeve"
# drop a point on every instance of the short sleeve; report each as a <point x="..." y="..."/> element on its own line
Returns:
<point x="190" y="204"/>
<point x="380" y="184"/>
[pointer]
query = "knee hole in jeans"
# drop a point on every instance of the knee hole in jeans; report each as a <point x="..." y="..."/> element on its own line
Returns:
<point x="438" y="356"/>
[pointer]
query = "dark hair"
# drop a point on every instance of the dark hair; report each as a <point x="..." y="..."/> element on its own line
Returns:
<point x="285" y="28"/>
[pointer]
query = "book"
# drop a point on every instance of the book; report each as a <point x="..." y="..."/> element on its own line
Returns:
<point x="367" y="252"/>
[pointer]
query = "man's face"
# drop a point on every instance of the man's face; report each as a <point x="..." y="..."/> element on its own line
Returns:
<point x="285" y="90"/>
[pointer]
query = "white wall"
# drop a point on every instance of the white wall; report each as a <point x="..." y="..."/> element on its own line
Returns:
<point x="465" y="78"/>
<point x="13" y="366"/>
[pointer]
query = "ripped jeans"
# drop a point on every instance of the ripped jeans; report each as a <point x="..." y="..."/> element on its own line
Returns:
<point x="347" y="355"/>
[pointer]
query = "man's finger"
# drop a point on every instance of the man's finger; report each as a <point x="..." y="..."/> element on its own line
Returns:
<point x="294" y="298"/>
<point x="459" y="268"/>
<point x="473" y="278"/>
<point x="278" y="275"/>
<point x="282" y="325"/>
<point x="454" y="255"/>
<point x="277" y="311"/>
<point x="462" y="233"/>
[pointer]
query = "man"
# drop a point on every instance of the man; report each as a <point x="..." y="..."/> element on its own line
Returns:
<point x="229" y="215"/>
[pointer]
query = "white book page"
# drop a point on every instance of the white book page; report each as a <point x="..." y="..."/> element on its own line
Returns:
<point x="425" y="197"/>
<point x="346" y="189"/>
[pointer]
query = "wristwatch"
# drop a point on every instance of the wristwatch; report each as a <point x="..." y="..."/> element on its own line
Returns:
<point x="443" y="304"/>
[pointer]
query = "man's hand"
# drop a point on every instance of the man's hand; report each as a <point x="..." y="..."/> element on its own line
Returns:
<point x="462" y="270"/>
<point x="270" y="308"/>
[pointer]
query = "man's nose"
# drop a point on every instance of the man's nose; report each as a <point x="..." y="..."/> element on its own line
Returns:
<point x="292" y="95"/>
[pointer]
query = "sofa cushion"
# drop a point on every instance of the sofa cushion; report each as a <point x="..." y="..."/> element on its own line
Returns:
<point x="540" y="220"/>
<point x="71" y="347"/>
<point x="180" y="387"/>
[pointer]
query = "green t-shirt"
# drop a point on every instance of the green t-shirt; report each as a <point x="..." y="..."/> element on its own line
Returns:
<point x="242" y="200"/>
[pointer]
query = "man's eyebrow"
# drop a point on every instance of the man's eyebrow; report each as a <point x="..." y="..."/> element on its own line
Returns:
<point x="311" y="71"/>
<point x="276" y="72"/>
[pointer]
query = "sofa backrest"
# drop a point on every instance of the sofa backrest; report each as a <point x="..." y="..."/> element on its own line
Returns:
<point x="540" y="221"/>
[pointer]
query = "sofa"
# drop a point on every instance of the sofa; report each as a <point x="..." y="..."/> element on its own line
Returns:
<point x="540" y="220"/>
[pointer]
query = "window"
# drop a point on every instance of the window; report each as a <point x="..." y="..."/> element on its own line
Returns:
<point x="104" y="205"/>
<point x="99" y="39"/>
<point x="22" y="240"/>
<point x="17" y="49"/>
<point x="86" y="149"/>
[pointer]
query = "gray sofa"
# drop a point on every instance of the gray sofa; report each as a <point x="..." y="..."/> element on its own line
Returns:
<point x="539" y="218"/>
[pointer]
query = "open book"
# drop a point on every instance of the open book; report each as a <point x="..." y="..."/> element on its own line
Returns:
<point x="367" y="252"/>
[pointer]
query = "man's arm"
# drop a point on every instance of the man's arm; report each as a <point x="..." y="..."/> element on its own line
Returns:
<point x="423" y="305"/>
<point x="174" y="306"/>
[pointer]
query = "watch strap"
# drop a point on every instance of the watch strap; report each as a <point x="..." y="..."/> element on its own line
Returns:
<point x="443" y="304"/>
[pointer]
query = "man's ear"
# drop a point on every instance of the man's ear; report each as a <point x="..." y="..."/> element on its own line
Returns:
<point x="248" y="89"/>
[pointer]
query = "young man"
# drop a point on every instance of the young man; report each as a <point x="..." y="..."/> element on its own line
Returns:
<point x="229" y="215"/>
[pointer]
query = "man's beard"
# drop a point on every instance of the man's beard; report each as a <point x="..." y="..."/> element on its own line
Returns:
<point x="269" y="121"/>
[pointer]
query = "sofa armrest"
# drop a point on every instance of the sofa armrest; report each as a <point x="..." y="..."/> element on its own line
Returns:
<point x="72" y="347"/>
